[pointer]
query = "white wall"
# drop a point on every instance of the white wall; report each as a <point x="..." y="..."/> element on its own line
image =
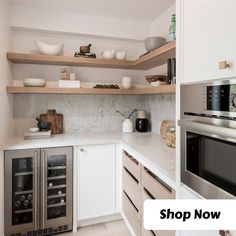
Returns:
<point x="6" y="116"/>
<point x="160" y="26"/>
<point x="5" y="74"/>
<point x="73" y="22"/>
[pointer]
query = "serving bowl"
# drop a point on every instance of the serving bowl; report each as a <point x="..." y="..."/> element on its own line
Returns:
<point x="34" y="82"/>
<point x="48" y="49"/>
<point x="152" y="43"/>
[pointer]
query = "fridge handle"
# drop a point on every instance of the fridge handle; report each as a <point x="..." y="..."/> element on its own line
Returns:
<point x="35" y="191"/>
<point x="43" y="188"/>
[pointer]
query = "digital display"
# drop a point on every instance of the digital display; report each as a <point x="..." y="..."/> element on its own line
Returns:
<point x="218" y="98"/>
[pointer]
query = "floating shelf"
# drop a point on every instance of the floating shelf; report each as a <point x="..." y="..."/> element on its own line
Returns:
<point x="164" y="89"/>
<point x="148" y="61"/>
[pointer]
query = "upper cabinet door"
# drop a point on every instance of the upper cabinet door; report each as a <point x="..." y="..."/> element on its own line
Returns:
<point x="208" y="37"/>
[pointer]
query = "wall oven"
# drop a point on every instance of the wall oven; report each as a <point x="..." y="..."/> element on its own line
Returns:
<point x="208" y="138"/>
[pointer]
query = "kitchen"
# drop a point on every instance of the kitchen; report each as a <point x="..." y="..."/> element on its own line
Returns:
<point x="104" y="156"/>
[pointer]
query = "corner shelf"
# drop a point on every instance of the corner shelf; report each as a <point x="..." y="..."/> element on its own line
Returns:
<point x="163" y="89"/>
<point x="148" y="61"/>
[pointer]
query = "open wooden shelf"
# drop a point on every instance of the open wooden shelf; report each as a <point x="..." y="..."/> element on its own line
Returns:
<point x="164" y="89"/>
<point x="150" y="60"/>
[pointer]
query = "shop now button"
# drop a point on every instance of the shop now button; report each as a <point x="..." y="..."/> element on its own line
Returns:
<point x="189" y="214"/>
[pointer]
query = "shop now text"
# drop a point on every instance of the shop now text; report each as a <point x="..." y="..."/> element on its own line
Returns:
<point x="186" y="215"/>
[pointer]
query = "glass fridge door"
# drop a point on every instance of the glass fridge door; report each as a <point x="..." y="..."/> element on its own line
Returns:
<point x="57" y="192"/>
<point x="21" y="172"/>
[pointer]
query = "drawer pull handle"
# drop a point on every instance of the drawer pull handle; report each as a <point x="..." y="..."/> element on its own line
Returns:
<point x="159" y="180"/>
<point x="131" y="201"/>
<point x="130" y="174"/>
<point x="149" y="194"/>
<point x="131" y="158"/>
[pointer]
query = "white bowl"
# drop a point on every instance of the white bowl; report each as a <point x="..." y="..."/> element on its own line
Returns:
<point x="34" y="82"/>
<point x="48" y="49"/>
<point x="34" y="129"/>
<point x="152" y="43"/>
<point x="157" y="83"/>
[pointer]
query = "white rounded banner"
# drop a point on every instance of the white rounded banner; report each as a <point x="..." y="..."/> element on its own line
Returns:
<point x="189" y="214"/>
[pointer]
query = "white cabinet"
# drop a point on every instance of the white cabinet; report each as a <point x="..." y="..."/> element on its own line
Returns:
<point x="207" y="37"/>
<point x="96" y="181"/>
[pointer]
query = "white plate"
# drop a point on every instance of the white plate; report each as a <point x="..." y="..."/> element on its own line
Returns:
<point x="158" y="83"/>
<point x="34" y="82"/>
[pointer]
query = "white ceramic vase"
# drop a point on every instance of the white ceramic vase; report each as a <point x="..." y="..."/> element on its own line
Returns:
<point x="127" y="126"/>
<point x="126" y="82"/>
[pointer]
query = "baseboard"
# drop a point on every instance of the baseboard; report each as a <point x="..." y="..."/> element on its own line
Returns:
<point x="128" y="224"/>
<point x="98" y="220"/>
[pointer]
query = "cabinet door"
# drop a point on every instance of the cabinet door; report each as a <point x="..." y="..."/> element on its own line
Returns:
<point x="56" y="187"/>
<point x="207" y="37"/>
<point x="21" y="192"/>
<point x="96" y="184"/>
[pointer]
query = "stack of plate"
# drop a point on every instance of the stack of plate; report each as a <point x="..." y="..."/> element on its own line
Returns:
<point x="34" y="82"/>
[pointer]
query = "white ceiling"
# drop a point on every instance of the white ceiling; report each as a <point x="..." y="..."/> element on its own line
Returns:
<point x="138" y="10"/>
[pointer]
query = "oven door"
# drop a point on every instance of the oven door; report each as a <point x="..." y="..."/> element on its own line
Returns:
<point x="208" y="159"/>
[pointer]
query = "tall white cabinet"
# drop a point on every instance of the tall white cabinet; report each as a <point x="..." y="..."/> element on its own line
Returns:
<point x="208" y="37"/>
<point x="96" y="181"/>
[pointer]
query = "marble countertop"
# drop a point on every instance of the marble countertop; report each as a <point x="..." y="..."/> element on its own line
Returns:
<point x="148" y="148"/>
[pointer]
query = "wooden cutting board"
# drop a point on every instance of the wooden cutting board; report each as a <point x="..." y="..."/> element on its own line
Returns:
<point x="55" y="119"/>
<point x="165" y="125"/>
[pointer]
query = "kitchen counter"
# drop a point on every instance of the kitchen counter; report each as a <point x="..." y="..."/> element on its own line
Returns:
<point x="148" y="148"/>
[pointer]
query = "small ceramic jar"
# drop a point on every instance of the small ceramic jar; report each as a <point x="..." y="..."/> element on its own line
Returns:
<point x="126" y="82"/>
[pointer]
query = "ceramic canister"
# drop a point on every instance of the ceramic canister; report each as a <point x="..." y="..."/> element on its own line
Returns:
<point x="126" y="82"/>
<point x="142" y="122"/>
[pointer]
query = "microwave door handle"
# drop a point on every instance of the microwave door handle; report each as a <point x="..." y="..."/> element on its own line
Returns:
<point x="207" y="129"/>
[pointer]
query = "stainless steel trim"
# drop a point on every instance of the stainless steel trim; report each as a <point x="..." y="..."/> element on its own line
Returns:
<point x="208" y="129"/>
<point x="198" y="184"/>
<point x="35" y="196"/>
<point x="43" y="189"/>
<point x="9" y="156"/>
<point x="68" y="218"/>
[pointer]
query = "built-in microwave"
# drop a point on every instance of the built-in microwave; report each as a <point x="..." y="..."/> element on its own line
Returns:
<point x="208" y="138"/>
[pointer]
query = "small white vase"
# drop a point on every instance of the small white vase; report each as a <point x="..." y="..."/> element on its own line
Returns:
<point x="127" y="126"/>
<point x="126" y="82"/>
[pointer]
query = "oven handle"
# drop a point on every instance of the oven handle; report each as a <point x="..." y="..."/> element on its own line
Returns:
<point x="206" y="128"/>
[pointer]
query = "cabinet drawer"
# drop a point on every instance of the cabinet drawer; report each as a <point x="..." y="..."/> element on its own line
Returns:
<point x="131" y="187"/>
<point x="131" y="213"/>
<point x="145" y="196"/>
<point x="155" y="186"/>
<point x="132" y="165"/>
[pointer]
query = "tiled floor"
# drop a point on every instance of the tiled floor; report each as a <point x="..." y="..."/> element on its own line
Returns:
<point x="114" y="228"/>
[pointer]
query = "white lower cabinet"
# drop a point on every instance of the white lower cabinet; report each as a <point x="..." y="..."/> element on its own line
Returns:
<point x="140" y="184"/>
<point x="96" y="181"/>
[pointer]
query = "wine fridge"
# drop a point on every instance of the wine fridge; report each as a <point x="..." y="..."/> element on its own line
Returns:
<point x="38" y="191"/>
